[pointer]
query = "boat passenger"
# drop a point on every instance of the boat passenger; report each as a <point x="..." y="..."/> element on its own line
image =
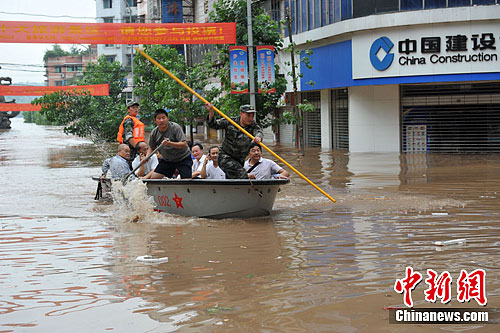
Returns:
<point x="131" y="130"/>
<point x="263" y="168"/>
<point x="118" y="164"/>
<point x="199" y="158"/>
<point x="211" y="169"/>
<point x="236" y="144"/>
<point x="146" y="169"/>
<point x="174" y="149"/>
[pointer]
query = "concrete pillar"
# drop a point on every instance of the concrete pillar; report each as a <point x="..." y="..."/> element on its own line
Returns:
<point x="374" y="119"/>
<point x="326" y="119"/>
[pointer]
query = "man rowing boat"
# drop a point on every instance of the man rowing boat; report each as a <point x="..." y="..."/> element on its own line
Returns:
<point x="235" y="146"/>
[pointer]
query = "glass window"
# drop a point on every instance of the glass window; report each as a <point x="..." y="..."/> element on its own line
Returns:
<point x="107" y="19"/>
<point x="276" y="12"/>
<point x="411" y="4"/>
<point x="361" y="8"/>
<point x="130" y="19"/>
<point x="384" y="6"/>
<point x="331" y="11"/>
<point x="59" y="83"/>
<point x="435" y="4"/>
<point x="346" y="10"/>
<point x="324" y="12"/>
<point x="304" y="15"/>
<point x="317" y="14"/>
<point x="287" y="8"/>
<point x="483" y="2"/>
<point x="132" y="3"/>
<point x="110" y="58"/>
<point x="337" y="11"/>
<point x="458" y="3"/>
<point x="293" y="17"/>
<point x="108" y="3"/>
<point x="58" y="69"/>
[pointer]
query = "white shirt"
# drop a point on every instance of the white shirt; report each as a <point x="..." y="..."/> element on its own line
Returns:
<point x="150" y="164"/>
<point x="213" y="172"/>
<point x="265" y="170"/>
<point x="197" y="165"/>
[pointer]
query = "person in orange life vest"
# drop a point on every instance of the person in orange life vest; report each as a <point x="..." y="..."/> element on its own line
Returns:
<point x="131" y="130"/>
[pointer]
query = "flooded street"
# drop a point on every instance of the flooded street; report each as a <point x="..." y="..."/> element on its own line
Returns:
<point x="68" y="263"/>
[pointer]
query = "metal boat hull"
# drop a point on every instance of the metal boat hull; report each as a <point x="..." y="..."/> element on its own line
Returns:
<point x="231" y="198"/>
<point x="214" y="198"/>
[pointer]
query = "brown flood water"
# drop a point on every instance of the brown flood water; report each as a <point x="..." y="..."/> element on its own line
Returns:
<point x="68" y="263"/>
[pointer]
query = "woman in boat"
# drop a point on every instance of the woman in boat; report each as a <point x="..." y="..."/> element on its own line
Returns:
<point x="199" y="158"/>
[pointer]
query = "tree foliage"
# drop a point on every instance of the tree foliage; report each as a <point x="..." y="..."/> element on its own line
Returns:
<point x="58" y="51"/>
<point x="96" y="117"/>
<point x="265" y="32"/>
<point x="158" y="90"/>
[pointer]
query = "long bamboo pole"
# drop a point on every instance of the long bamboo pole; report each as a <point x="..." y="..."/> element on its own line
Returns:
<point x="232" y="122"/>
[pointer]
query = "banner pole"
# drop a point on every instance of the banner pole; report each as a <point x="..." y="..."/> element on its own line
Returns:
<point x="233" y="122"/>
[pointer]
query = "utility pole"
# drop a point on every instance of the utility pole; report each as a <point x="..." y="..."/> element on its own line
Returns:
<point x="250" y="53"/>
<point x="131" y="50"/>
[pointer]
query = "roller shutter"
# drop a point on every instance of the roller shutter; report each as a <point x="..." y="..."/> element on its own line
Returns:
<point x="455" y="118"/>
<point x="312" y="120"/>
<point x="340" y="119"/>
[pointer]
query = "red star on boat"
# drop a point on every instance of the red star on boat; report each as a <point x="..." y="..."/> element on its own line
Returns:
<point x="178" y="201"/>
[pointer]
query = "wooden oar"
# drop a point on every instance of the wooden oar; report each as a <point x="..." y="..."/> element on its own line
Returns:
<point x="124" y="178"/>
<point x="232" y="122"/>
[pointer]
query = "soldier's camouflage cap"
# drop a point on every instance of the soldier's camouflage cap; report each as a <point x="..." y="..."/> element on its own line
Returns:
<point x="247" y="108"/>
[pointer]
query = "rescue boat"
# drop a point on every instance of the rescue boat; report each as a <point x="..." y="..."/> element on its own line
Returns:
<point x="221" y="198"/>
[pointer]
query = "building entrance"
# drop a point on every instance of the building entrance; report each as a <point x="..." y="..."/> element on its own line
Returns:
<point x="455" y="118"/>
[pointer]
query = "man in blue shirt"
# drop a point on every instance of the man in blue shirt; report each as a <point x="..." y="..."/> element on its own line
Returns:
<point x="118" y="164"/>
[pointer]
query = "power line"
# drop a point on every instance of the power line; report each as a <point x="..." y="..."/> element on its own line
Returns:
<point x="43" y="15"/>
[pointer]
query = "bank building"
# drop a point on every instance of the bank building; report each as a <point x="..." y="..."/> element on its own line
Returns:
<point x="416" y="76"/>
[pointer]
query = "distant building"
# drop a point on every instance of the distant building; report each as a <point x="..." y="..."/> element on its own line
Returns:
<point x="134" y="11"/>
<point x="60" y="71"/>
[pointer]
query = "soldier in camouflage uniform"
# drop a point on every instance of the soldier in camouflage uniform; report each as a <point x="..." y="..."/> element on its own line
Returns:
<point x="236" y="143"/>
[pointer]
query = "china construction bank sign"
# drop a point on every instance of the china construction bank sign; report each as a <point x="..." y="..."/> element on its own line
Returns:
<point x="431" y="50"/>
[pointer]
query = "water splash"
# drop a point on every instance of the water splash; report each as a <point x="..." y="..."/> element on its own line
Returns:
<point x="131" y="203"/>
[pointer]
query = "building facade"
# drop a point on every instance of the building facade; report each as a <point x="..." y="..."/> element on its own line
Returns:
<point x="59" y="71"/>
<point x="398" y="75"/>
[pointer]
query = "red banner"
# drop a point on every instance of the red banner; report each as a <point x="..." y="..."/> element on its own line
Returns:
<point x="19" y="107"/>
<point x="117" y="33"/>
<point x="94" y="89"/>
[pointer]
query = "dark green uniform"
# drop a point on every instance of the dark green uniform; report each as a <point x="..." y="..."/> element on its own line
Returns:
<point x="235" y="146"/>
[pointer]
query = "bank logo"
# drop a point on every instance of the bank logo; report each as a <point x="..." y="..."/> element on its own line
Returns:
<point x="386" y="45"/>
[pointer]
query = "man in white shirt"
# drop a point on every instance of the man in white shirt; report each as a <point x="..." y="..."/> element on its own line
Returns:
<point x="118" y="164"/>
<point x="199" y="158"/>
<point x="211" y="169"/>
<point x="147" y="168"/>
<point x="263" y="168"/>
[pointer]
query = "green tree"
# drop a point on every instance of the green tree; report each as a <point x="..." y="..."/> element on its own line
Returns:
<point x="96" y="117"/>
<point x="298" y="108"/>
<point x="157" y="90"/>
<point x="56" y="51"/>
<point x="265" y="32"/>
